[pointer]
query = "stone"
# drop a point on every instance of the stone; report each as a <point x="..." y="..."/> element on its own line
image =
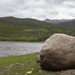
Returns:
<point x="68" y="72"/>
<point x="16" y="73"/>
<point x="29" y="72"/>
<point x="17" y="64"/>
<point x="58" y="53"/>
<point x="22" y="64"/>
<point x="41" y="70"/>
<point x="38" y="58"/>
<point x="32" y="68"/>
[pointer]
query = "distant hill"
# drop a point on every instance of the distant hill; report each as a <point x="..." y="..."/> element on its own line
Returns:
<point x="16" y="21"/>
<point x="23" y="29"/>
<point x="69" y="24"/>
<point x="56" y="21"/>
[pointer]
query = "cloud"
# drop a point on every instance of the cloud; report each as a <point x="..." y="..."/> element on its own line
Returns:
<point x="38" y="9"/>
<point x="66" y="10"/>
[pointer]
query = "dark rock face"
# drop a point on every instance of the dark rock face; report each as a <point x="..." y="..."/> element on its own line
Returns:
<point x="58" y="53"/>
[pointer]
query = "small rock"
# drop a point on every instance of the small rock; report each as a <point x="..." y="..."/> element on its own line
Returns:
<point x="16" y="73"/>
<point x="22" y="64"/>
<point x="32" y="69"/>
<point x="29" y="72"/>
<point x="16" y="64"/>
<point x="41" y="70"/>
<point x="11" y="65"/>
<point x="7" y="67"/>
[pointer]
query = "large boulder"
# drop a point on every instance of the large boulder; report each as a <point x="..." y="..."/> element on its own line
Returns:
<point x="58" y="53"/>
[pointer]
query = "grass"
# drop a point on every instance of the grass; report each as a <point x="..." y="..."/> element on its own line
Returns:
<point x="45" y="30"/>
<point x="31" y="39"/>
<point x="19" y="65"/>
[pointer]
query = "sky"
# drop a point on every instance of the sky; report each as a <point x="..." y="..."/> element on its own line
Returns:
<point x="38" y="9"/>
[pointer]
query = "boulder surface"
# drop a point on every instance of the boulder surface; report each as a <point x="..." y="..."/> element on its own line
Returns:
<point x="38" y="58"/>
<point x="58" y="53"/>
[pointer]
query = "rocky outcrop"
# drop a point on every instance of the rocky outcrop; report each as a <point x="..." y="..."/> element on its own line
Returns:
<point x="38" y="58"/>
<point x="58" y="53"/>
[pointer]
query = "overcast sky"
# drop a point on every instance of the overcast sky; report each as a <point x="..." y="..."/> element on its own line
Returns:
<point x="38" y="9"/>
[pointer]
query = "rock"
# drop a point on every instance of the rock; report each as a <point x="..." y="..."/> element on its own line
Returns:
<point x="16" y="73"/>
<point x="32" y="68"/>
<point x="41" y="70"/>
<point x="38" y="58"/>
<point x="58" y="53"/>
<point x="68" y="72"/>
<point x="22" y="64"/>
<point x="17" y="64"/>
<point x="29" y="72"/>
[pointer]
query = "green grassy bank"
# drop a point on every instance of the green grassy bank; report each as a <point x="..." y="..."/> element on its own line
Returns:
<point x="19" y="65"/>
<point x="19" y="39"/>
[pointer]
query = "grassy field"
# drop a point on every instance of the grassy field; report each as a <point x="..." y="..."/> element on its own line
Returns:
<point x="19" y="65"/>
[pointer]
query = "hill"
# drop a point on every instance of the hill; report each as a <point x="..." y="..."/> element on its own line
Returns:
<point x="69" y="24"/>
<point x="26" y="29"/>
<point x="56" y="21"/>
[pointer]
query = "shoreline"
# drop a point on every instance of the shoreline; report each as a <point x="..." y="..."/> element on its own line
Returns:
<point x="19" y="55"/>
<point x="25" y="41"/>
<point x="21" y="39"/>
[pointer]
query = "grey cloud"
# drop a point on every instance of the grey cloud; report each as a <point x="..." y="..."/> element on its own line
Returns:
<point x="55" y="2"/>
<point x="70" y="4"/>
<point x="39" y="9"/>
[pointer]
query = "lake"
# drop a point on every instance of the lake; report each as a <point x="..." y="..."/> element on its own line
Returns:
<point x="19" y="48"/>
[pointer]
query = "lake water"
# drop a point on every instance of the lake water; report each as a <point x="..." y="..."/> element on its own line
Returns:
<point x="19" y="48"/>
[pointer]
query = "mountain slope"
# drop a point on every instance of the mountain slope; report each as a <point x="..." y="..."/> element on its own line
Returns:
<point x="56" y="21"/>
<point x="69" y="24"/>
<point x="19" y="29"/>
